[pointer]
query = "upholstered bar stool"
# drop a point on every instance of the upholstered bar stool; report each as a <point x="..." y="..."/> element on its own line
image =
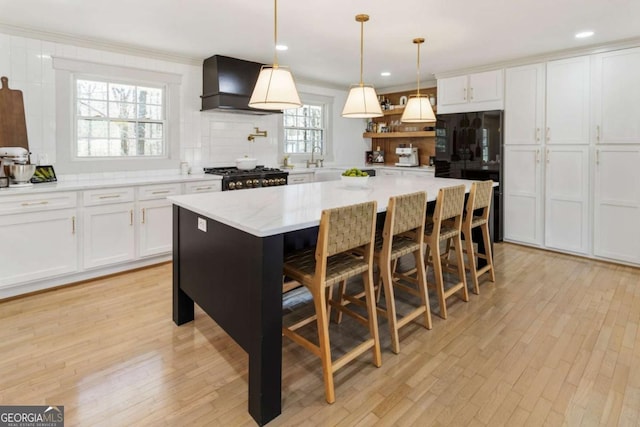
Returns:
<point x="445" y="226"/>
<point x="341" y="231"/>
<point x="403" y="234"/>
<point x="479" y="200"/>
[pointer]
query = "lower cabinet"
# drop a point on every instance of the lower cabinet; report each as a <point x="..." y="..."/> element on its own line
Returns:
<point x="154" y="227"/>
<point x="300" y="178"/>
<point x="109" y="234"/>
<point x="617" y="203"/>
<point x="38" y="245"/>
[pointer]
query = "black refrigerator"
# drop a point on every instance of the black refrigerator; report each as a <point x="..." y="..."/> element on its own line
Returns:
<point x="469" y="146"/>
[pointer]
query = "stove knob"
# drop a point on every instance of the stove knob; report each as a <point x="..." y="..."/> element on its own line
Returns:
<point x="272" y="181"/>
<point x="256" y="182"/>
<point x="238" y="185"/>
<point x="249" y="183"/>
<point x="283" y="181"/>
<point x="232" y="186"/>
<point x="264" y="182"/>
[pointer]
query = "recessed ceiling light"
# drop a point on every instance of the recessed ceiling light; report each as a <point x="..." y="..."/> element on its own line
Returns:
<point x="584" y="34"/>
<point x="282" y="47"/>
<point x="385" y="74"/>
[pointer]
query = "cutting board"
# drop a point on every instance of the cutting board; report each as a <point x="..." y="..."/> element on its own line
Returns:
<point x="13" y="127"/>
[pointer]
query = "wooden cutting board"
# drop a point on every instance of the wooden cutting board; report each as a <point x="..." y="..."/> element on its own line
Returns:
<point x="13" y="126"/>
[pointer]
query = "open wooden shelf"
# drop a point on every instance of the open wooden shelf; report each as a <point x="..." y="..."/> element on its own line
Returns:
<point x="400" y="110"/>
<point x="414" y="134"/>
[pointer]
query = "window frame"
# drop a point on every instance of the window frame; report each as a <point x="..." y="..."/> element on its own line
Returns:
<point x="66" y="70"/>
<point x="326" y="103"/>
<point x="104" y="79"/>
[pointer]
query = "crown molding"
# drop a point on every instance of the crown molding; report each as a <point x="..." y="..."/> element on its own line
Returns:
<point x="93" y="43"/>
<point x="550" y="56"/>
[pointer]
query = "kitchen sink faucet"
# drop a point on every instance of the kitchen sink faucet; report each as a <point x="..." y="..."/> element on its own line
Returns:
<point x="317" y="162"/>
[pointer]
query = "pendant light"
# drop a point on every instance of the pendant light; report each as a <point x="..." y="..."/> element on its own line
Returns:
<point x="275" y="88"/>
<point x="418" y="108"/>
<point x="362" y="102"/>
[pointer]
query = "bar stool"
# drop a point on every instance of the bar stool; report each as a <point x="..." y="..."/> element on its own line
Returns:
<point x="445" y="226"/>
<point x="479" y="199"/>
<point x="403" y="234"/>
<point x="341" y="231"/>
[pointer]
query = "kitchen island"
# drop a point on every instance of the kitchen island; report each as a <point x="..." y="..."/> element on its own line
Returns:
<point x="228" y="253"/>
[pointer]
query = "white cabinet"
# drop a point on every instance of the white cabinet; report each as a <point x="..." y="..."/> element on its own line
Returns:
<point x="154" y="218"/>
<point x="568" y="101"/>
<point x="39" y="236"/>
<point x="418" y="173"/>
<point x="617" y="203"/>
<point x="523" y="192"/>
<point x="524" y="105"/>
<point x="616" y="97"/>
<point x="108" y="234"/>
<point x="567" y="198"/>
<point x="388" y="172"/>
<point x="203" y="186"/>
<point x="473" y="92"/>
<point x="300" y="178"/>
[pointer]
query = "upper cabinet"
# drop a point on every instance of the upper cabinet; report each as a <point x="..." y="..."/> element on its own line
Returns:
<point x="616" y="91"/>
<point x="524" y="105"/>
<point x="568" y="101"/>
<point x="473" y="92"/>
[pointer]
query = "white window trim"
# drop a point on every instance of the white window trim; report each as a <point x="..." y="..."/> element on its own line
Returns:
<point x="327" y="151"/>
<point x="66" y="160"/>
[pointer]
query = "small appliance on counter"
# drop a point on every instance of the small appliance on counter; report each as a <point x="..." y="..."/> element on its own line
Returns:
<point x="14" y="162"/>
<point x="407" y="156"/>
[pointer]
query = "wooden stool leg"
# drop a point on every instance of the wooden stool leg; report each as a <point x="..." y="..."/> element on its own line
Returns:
<point x="437" y="272"/>
<point x="367" y="278"/>
<point x="328" y="297"/>
<point x="457" y="242"/>
<point x="387" y="281"/>
<point x="341" y="291"/>
<point x="471" y="257"/>
<point x="487" y="250"/>
<point x="422" y="288"/>
<point x="325" y="346"/>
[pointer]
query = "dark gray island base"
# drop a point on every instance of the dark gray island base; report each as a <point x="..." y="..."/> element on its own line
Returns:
<point x="236" y="278"/>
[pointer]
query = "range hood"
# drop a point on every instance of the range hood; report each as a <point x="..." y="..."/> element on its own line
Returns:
<point x="227" y="84"/>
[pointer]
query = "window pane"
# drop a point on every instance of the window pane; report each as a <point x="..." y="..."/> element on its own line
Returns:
<point x="150" y="130"/>
<point x="122" y="110"/>
<point x="92" y="128"/>
<point x="122" y="130"/>
<point x="92" y="90"/>
<point x="150" y="112"/>
<point x="149" y="96"/>
<point x="88" y="108"/>
<point x="122" y="93"/>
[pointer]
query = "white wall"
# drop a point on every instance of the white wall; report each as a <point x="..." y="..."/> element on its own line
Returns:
<point x="206" y="138"/>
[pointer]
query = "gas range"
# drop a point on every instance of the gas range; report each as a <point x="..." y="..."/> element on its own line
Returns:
<point x="239" y="179"/>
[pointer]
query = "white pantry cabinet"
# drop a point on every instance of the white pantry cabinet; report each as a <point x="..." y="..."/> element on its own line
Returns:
<point x="617" y="202"/>
<point x="39" y="236"/>
<point x="616" y="97"/>
<point x="474" y="92"/>
<point x="524" y="105"/>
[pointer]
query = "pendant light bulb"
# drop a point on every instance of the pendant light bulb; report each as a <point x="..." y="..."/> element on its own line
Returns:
<point x="418" y="108"/>
<point x="275" y="88"/>
<point x="362" y="101"/>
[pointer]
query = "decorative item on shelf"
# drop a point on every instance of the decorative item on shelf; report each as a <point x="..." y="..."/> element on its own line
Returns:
<point x="362" y="101"/>
<point x="418" y="108"/>
<point x="378" y="156"/>
<point x="275" y="88"/>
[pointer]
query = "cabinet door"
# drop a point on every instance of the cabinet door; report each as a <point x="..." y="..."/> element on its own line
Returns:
<point x="37" y="245"/>
<point x="523" y="194"/>
<point x="617" y="203"/>
<point x="389" y="172"/>
<point x="300" y="178"/>
<point x="524" y="105"/>
<point x="567" y="198"/>
<point x="568" y="101"/>
<point x="452" y="91"/>
<point x="486" y="86"/>
<point x="155" y="225"/>
<point x="108" y="234"/>
<point x="616" y="92"/>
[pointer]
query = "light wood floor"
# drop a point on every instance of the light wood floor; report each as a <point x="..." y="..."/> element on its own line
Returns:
<point x="554" y="341"/>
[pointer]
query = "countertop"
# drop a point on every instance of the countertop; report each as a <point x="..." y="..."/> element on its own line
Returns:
<point x="93" y="183"/>
<point x="303" y="169"/>
<point x="273" y="210"/>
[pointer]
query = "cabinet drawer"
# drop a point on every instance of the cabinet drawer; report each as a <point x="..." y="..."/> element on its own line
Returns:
<point x="300" y="178"/>
<point x="159" y="191"/>
<point x="107" y="195"/>
<point x="202" y="186"/>
<point x="37" y="202"/>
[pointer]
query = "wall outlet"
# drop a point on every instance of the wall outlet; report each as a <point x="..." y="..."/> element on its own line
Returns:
<point x="202" y="224"/>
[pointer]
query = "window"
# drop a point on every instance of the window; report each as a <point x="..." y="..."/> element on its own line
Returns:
<point x="304" y="129"/>
<point x="118" y="119"/>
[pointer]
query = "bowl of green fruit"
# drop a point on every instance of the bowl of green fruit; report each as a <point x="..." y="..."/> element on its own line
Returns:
<point x="354" y="177"/>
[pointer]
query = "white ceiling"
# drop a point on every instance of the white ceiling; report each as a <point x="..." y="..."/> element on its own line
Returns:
<point x="323" y="36"/>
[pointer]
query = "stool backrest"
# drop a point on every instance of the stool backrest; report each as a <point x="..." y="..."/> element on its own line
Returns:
<point x="480" y="195"/>
<point x="449" y="203"/>
<point x="406" y="212"/>
<point x="345" y="228"/>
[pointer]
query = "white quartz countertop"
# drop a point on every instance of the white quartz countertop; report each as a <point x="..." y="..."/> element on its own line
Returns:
<point x="273" y="210"/>
<point x="302" y="169"/>
<point x="88" y="184"/>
